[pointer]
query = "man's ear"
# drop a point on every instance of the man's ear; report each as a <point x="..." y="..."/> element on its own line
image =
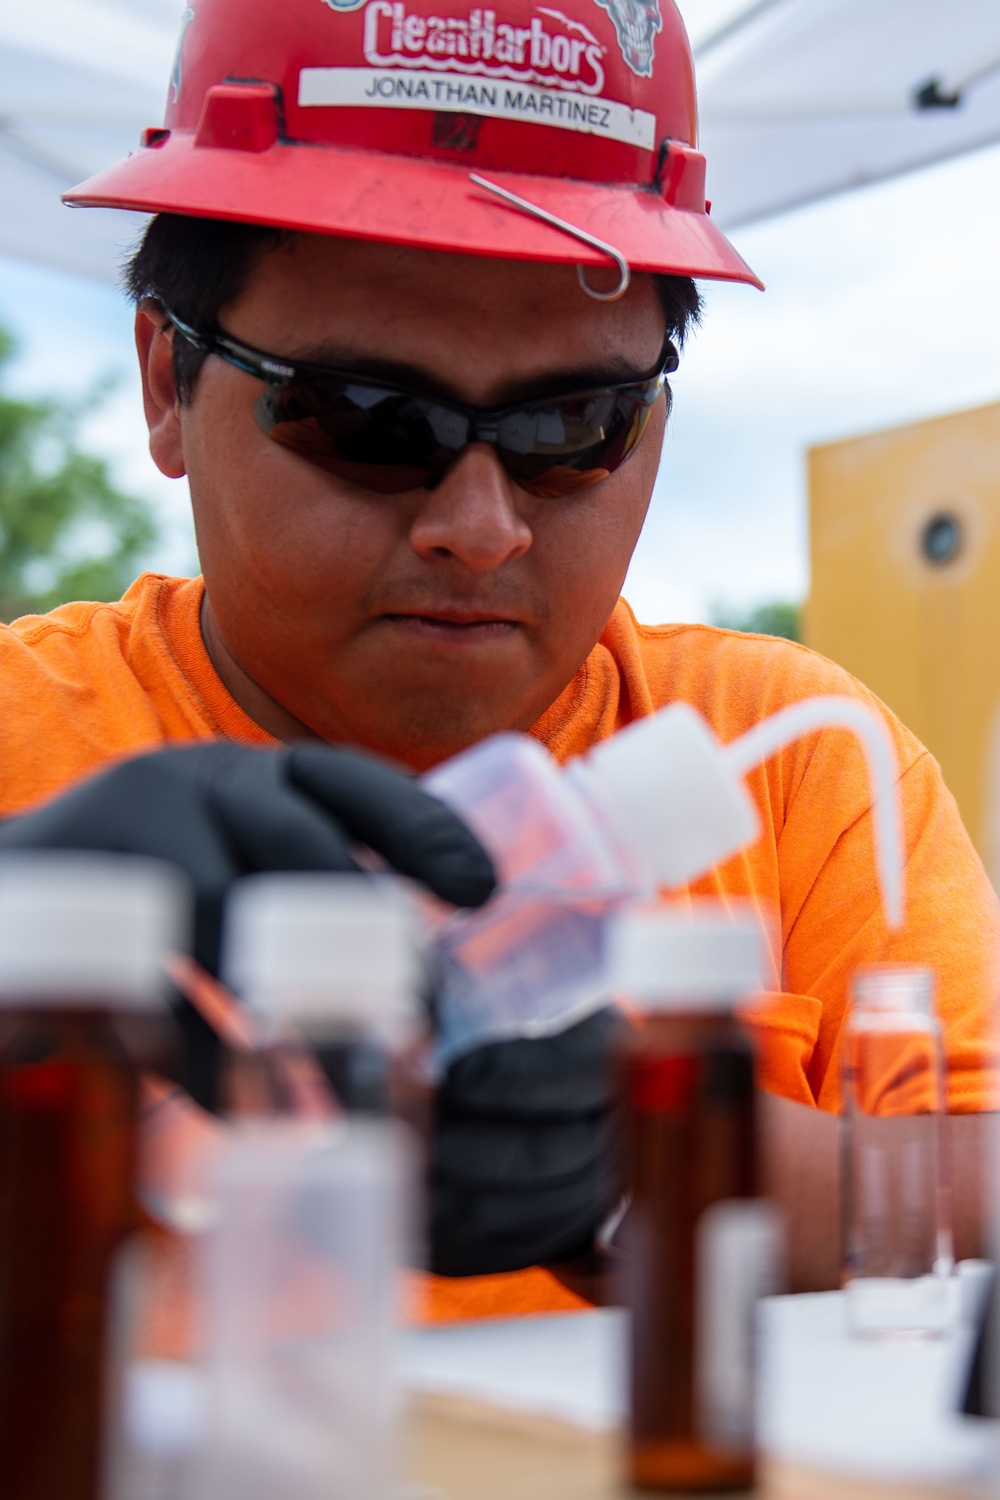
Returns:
<point x="154" y="345"/>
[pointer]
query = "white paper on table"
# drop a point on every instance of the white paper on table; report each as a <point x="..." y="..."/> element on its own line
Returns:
<point x="884" y="1407"/>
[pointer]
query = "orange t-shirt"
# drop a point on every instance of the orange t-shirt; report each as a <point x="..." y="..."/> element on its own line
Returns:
<point x="91" y="682"/>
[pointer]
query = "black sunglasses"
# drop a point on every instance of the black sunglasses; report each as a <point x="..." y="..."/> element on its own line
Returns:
<point x="389" y="438"/>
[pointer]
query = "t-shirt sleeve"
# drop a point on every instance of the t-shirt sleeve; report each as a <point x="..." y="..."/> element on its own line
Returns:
<point x="833" y="923"/>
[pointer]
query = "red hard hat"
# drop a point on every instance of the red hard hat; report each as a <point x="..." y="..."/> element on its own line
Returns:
<point x="367" y="117"/>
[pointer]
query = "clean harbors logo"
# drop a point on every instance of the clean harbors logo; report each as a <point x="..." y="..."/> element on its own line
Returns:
<point x="549" y="72"/>
<point x="637" y="23"/>
<point x="551" y="50"/>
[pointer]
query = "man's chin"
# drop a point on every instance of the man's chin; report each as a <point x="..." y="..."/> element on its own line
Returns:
<point x="420" y="730"/>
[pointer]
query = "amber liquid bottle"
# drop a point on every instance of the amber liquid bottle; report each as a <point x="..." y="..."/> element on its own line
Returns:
<point x="81" y="1010"/>
<point x="699" y="1245"/>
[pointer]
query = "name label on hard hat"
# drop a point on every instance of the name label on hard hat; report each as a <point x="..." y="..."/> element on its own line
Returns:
<point x="408" y="88"/>
<point x="548" y="72"/>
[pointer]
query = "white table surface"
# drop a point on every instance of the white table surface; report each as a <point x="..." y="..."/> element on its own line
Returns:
<point x="880" y="1408"/>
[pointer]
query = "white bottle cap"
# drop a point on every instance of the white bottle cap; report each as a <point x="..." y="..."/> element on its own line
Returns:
<point x="323" y="951"/>
<point x="895" y="989"/>
<point x="669" y="960"/>
<point x="82" y="929"/>
<point x="672" y="803"/>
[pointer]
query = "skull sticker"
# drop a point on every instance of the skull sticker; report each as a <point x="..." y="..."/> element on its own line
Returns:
<point x="636" y="25"/>
<point x="177" y="73"/>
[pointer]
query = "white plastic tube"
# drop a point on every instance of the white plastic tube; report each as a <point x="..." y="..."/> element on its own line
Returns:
<point x="834" y="711"/>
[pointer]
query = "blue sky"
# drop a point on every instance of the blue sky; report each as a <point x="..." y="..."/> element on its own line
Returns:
<point x="881" y="307"/>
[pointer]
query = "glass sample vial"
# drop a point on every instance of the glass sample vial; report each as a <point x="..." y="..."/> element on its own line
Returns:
<point x="898" y="1256"/>
<point x="82" y="1007"/>
<point x="163" y="1401"/>
<point x="301" y="1307"/>
<point x="699" y="1246"/>
<point x="329" y="960"/>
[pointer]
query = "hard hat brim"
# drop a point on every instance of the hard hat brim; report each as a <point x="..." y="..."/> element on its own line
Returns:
<point x="408" y="200"/>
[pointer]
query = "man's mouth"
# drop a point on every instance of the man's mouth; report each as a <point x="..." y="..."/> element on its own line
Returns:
<point x="454" y="626"/>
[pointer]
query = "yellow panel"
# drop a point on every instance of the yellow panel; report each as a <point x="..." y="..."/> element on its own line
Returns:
<point x="924" y="635"/>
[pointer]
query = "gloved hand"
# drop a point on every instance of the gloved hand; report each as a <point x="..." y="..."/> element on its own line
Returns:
<point x="525" y="1164"/>
<point x="524" y="1167"/>
<point x="222" y="810"/>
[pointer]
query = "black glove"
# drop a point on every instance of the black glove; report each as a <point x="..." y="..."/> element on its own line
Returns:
<point x="525" y="1154"/>
<point x="223" y="810"/>
<point x="524" y="1168"/>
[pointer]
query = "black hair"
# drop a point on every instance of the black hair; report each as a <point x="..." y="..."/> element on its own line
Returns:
<point x="196" y="267"/>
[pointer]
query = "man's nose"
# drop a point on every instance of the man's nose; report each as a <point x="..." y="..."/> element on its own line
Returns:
<point x="472" y="514"/>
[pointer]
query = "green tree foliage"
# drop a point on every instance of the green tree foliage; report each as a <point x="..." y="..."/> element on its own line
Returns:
<point x="66" y="532"/>
<point x="779" y="617"/>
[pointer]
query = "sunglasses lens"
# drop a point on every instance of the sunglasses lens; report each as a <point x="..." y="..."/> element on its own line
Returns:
<point x="389" y="442"/>
<point x="576" y="444"/>
<point x="378" y="441"/>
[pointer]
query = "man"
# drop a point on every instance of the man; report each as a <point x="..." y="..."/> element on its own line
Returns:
<point x="421" y="424"/>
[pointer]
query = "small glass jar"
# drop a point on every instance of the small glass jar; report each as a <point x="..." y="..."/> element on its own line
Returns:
<point x="898" y="1258"/>
<point x="329" y="968"/>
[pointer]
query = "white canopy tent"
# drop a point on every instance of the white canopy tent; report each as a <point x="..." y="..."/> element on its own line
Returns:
<point x="799" y="99"/>
<point x="79" y="79"/>
<point x="804" y="98"/>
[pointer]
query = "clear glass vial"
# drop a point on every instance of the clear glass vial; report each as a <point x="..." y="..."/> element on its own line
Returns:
<point x="301" y="1283"/>
<point x="898" y="1257"/>
<point x="329" y="963"/>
